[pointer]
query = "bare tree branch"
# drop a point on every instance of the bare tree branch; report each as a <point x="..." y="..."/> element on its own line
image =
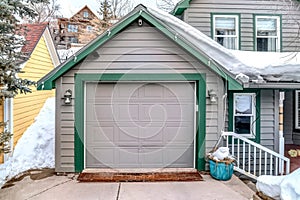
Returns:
<point x="166" y="5"/>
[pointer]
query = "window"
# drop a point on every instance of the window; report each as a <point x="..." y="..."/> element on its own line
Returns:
<point x="72" y="28"/>
<point x="297" y="102"/>
<point x="267" y="31"/>
<point x="244" y="114"/>
<point x="73" y="39"/>
<point x="85" y="14"/>
<point x="226" y="30"/>
<point x="89" y="28"/>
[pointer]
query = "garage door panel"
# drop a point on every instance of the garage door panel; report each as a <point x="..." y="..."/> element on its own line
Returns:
<point x="127" y="135"/>
<point x="140" y="125"/>
<point x="100" y="135"/>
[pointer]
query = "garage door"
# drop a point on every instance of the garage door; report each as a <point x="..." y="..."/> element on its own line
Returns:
<point x="139" y="125"/>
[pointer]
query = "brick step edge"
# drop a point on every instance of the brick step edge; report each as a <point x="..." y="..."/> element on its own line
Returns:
<point x="139" y="177"/>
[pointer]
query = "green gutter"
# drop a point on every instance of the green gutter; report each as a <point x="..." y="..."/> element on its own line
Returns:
<point x="180" y="7"/>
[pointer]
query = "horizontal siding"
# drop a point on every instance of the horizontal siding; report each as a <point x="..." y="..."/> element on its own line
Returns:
<point x="27" y="106"/>
<point x="1" y="128"/>
<point x="268" y="115"/>
<point x="199" y="16"/>
<point x="134" y="50"/>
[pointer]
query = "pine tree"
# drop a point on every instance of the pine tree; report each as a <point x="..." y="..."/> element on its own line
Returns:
<point x="105" y="12"/>
<point x="11" y="56"/>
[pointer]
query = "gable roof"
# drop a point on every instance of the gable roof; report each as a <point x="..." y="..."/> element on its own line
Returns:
<point x="32" y="34"/>
<point x="84" y="7"/>
<point x="155" y="17"/>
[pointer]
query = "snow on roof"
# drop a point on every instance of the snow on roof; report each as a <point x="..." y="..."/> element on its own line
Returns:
<point x="270" y="66"/>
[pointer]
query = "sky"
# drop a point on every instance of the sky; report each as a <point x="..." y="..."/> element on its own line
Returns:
<point x="70" y="7"/>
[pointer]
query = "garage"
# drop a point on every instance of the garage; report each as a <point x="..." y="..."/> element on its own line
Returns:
<point x="140" y="124"/>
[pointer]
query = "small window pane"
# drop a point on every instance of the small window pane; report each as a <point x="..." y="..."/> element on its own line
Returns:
<point x="243" y="104"/>
<point x="225" y="23"/>
<point x="266" y="24"/>
<point x="266" y="44"/>
<point x="242" y="124"/>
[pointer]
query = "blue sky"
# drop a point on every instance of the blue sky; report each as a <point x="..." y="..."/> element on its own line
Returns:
<point x="70" y="7"/>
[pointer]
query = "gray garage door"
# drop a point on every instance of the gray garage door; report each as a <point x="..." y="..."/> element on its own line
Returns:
<point x="139" y="125"/>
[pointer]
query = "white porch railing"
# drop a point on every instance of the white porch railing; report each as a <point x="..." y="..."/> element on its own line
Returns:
<point x="254" y="159"/>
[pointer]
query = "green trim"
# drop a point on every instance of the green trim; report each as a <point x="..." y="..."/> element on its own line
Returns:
<point x="254" y="28"/>
<point x="180" y="7"/>
<point x="80" y="80"/>
<point x="258" y="109"/>
<point x="50" y="82"/>
<point x="229" y="14"/>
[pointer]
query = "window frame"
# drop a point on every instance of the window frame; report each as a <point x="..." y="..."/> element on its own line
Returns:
<point x="72" y="28"/>
<point x="255" y="109"/>
<point x="297" y="109"/>
<point x="279" y="31"/>
<point x="237" y="27"/>
<point x="85" y="14"/>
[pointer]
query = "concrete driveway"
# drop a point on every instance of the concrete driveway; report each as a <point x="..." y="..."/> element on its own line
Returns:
<point x="53" y="187"/>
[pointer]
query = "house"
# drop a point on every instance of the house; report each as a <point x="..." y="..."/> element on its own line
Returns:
<point x="262" y="26"/>
<point x="152" y="92"/>
<point x="20" y="111"/>
<point x="77" y="30"/>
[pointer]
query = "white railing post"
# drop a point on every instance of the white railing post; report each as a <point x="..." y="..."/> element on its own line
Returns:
<point x="253" y="147"/>
<point x="281" y="138"/>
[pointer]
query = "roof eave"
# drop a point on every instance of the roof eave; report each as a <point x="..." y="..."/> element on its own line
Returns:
<point x="48" y="82"/>
<point x="274" y="85"/>
<point x="180" y="7"/>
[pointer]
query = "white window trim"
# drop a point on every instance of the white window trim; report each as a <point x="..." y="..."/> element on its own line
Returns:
<point x="237" y="30"/>
<point x="278" y="37"/>
<point x="253" y="119"/>
<point x="297" y="94"/>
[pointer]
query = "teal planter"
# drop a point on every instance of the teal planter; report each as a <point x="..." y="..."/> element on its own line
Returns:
<point x="220" y="170"/>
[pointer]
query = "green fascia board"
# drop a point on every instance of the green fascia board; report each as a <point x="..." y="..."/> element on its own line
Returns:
<point x="233" y="84"/>
<point x="81" y="79"/>
<point x="180" y="7"/>
<point x="49" y="84"/>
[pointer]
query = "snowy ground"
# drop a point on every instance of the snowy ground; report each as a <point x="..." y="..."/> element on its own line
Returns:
<point x="35" y="149"/>
<point x="280" y="187"/>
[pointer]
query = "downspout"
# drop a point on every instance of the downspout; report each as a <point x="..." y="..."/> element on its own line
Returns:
<point x="281" y="138"/>
<point x="8" y="118"/>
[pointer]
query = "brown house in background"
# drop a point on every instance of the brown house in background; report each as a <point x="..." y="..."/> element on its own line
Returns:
<point x="77" y="30"/>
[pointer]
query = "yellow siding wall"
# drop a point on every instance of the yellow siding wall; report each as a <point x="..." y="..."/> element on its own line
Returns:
<point x="27" y="106"/>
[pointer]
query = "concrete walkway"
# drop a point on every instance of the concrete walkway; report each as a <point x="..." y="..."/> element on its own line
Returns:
<point x="66" y="187"/>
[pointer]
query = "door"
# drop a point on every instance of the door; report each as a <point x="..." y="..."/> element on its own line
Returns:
<point x="139" y="125"/>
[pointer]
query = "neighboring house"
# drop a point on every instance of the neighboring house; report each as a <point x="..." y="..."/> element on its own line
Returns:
<point x="263" y="25"/>
<point x="21" y="111"/>
<point x="252" y="25"/>
<point x="77" y="30"/>
<point x="152" y="92"/>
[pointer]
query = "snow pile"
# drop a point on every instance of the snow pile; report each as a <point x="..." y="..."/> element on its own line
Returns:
<point x="35" y="149"/>
<point x="280" y="187"/>
<point x="64" y="54"/>
<point x="272" y="66"/>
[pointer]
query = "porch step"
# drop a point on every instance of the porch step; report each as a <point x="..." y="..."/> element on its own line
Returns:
<point x="139" y="175"/>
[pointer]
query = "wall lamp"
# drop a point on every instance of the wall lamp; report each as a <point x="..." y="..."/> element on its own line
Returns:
<point x="212" y="96"/>
<point x="67" y="96"/>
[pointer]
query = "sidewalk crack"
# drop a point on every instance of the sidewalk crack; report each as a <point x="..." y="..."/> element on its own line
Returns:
<point x="118" y="194"/>
<point x="48" y="189"/>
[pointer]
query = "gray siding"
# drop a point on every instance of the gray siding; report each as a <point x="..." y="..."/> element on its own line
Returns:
<point x="269" y="119"/>
<point x="199" y="16"/>
<point x="135" y="50"/>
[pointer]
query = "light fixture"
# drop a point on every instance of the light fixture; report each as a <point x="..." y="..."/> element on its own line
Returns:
<point x="67" y="96"/>
<point x="213" y="96"/>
